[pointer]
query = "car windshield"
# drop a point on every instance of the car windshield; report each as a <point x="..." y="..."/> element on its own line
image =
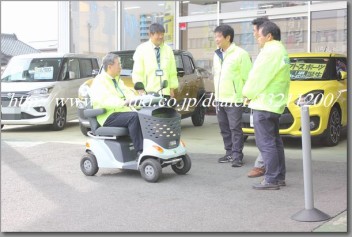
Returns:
<point x="126" y="64"/>
<point x="309" y="69"/>
<point x="32" y="69"/>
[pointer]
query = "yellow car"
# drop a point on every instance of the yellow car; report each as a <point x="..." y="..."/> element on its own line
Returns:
<point x="320" y="81"/>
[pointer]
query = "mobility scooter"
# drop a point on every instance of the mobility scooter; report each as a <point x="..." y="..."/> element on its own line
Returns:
<point x="111" y="147"/>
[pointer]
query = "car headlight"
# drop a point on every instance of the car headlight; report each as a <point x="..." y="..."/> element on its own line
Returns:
<point x="41" y="92"/>
<point x="310" y="98"/>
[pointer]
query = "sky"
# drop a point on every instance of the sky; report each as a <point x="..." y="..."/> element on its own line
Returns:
<point x="30" y="20"/>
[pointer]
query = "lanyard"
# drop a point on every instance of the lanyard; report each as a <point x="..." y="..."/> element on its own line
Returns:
<point x="118" y="88"/>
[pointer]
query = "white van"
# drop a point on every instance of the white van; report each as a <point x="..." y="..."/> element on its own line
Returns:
<point x="42" y="88"/>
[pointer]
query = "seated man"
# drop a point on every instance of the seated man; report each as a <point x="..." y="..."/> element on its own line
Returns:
<point x="109" y="92"/>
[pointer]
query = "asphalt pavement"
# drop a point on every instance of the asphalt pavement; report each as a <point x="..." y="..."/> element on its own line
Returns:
<point x="44" y="190"/>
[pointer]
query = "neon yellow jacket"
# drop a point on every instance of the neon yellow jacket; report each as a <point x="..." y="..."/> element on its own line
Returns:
<point x="145" y="65"/>
<point x="103" y="94"/>
<point x="269" y="80"/>
<point x="230" y="74"/>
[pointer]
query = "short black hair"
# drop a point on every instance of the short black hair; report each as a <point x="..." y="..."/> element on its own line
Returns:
<point x="225" y="30"/>
<point x="270" y="27"/>
<point x="259" y="21"/>
<point x="156" y="28"/>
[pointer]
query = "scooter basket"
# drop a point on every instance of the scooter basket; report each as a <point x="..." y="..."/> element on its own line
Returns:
<point x="163" y="127"/>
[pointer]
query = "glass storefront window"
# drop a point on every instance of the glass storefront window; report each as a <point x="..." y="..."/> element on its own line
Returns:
<point x="293" y="34"/>
<point x="93" y="27"/>
<point x="329" y="31"/>
<point x="244" y="36"/>
<point x="257" y="5"/>
<point x="137" y="16"/>
<point x="191" y="8"/>
<point x="198" y="38"/>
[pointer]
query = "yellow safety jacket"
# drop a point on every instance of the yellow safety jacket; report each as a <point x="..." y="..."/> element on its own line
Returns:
<point x="145" y="65"/>
<point x="104" y="94"/>
<point x="269" y="80"/>
<point x="230" y="74"/>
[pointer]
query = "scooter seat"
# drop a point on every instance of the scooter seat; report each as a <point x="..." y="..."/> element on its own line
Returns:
<point x="111" y="131"/>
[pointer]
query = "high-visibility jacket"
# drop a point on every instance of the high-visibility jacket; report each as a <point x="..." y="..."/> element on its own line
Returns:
<point x="104" y="94"/>
<point x="269" y="80"/>
<point x="145" y="65"/>
<point x="230" y="73"/>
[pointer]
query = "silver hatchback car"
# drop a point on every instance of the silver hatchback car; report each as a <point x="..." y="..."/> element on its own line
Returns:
<point x="42" y="88"/>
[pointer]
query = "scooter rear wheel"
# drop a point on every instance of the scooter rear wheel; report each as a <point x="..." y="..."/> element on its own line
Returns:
<point x="183" y="166"/>
<point x="89" y="165"/>
<point x="150" y="170"/>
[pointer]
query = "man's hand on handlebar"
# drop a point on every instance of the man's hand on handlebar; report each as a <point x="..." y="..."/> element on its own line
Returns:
<point x="246" y="101"/>
<point x="141" y="92"/>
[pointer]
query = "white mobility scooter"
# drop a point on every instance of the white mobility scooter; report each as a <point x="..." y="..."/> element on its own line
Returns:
<point x="111" y="147"/>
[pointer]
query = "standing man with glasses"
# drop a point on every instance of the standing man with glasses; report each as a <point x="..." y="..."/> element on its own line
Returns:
<point x="154" y="61"/>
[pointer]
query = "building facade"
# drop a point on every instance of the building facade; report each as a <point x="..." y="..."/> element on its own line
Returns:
<point x="98" y="27"/>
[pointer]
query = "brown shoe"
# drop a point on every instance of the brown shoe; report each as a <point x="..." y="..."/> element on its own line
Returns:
<point x="256" y="172"/>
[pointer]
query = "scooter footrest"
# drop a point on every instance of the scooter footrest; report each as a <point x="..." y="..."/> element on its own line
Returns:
<point x="112" y="131"/>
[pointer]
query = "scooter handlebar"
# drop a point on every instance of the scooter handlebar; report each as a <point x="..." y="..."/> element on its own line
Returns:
<point x="146" y="100"/>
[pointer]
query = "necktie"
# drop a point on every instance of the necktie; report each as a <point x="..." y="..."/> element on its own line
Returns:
<point x="157" y="49"/>
<point x="118" y="88"/>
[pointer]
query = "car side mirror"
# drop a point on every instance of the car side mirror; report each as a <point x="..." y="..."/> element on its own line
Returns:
<point x="342" y="75"/>
<point x="95" y="72"/>
<point x="180" y="72"/>
<point x="139" y="86"/>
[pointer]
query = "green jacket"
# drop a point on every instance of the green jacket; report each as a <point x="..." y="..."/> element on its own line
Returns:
<point x="230" y="74"/>
<point x="269" y="80"/>
<point x="145" y="65"/>
<point x="104" y="94"/>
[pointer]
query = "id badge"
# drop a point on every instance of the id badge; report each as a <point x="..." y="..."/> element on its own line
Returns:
<point x="251" y="124"/>
<point x="159" y="72"/>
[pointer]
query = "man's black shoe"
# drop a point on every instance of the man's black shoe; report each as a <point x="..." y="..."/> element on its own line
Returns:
<point x="225" y="159"/>
<point x="237" y="163"/>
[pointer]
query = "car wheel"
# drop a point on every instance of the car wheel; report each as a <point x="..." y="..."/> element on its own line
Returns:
<point x="59" y="118"/>
<point x="183" y="166"/>
<point x="150" y="170"/>
<point x="333" y="130"/>
<point x="198" y="115"/>
<point x="84" y="129"/>
<point x="89" y="165"/>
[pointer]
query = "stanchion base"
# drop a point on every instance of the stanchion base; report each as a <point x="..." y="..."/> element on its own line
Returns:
<point x="310" y="215"/>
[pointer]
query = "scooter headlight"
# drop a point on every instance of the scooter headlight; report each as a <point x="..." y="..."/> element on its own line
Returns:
<point x="182" y="143"/>
<point x="158" y="148"/>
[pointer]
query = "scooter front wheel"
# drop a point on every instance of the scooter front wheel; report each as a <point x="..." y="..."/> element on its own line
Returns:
<point x="89" y="165"/>
<point x="150" y="170"/>
<point x="183" y="166"/>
